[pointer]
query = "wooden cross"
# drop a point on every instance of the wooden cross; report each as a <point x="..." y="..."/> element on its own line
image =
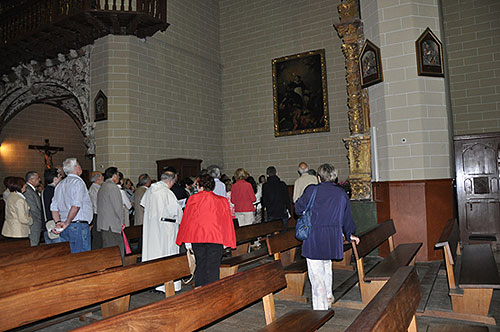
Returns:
<point x="47" y="151"/>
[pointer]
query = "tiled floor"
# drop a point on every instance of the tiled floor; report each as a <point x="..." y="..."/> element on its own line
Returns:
<point x="252" y="317"/>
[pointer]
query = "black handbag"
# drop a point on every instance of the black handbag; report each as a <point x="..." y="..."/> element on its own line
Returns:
<point x="303" y="227"/>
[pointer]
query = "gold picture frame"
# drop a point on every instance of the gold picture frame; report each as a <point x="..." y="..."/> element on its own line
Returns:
<point x="300" y="94"/>
<point x="429" y="55"/>
<point x="370" y="65"/>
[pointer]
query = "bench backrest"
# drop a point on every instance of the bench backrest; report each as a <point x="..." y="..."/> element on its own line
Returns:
<point x="199" y="307"/>
<point x="9" y="245"/>
<point x="56" y="268"/>
<point x="251" y="232"/>
<point x="282" y="242"/>
<point x="393" y="308"/>
<point x="27" y="305"/>
<point x="374" y="237"/>
<point x="21" y="255"/>
<point x="449" y="240"/>
<point x="133" y="232"/>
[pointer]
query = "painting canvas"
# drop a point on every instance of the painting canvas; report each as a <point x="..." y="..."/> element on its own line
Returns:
<point x="370" y="65"/>
<point x="429" y="55"/>
<point x="101" y="106"/>
<point x="300" y="94"/>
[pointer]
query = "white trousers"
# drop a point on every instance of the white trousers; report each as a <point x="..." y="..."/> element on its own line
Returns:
<point x="245" y="218"/>
<point x="321" y="277"/>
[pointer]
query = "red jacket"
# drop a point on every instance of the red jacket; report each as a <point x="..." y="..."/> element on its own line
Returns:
<point x="242" y="196"/>
<point x="207" y="219"/>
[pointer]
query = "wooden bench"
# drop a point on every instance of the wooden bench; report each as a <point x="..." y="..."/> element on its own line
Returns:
<point x="134" y="237"/>
<point x="6" y="246"/>
<point x="394" y="306"/>
<point x="472" y="275"/>
<point x="31" y="304"/>
<point x="404" y="254"/>
<point x="46" y="270"/>
<point x="28" y="254"/>
<point x="283" y="247"/>
<point x="197" y="308"/>
<point x="244" y="235"/>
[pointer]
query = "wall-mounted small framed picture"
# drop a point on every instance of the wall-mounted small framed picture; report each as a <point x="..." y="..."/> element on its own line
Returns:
<point x="101" y="106"/>
<point x="370" y="65"/>
<point x="429" y="55"/>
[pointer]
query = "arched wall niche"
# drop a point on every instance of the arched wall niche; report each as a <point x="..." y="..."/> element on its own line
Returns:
<point x="63" y="82"/>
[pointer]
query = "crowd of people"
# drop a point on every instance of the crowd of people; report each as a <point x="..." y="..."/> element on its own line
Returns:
<point x="197" y="214"/>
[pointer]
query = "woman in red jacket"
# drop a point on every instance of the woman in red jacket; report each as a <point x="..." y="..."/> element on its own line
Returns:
<point x="243" y="196"/>
<point x="207" y="225"/>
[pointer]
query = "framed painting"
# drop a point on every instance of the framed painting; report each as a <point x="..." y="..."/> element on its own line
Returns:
<point x="300" y="94"/>
<point x="101" y="106"/>
<point x="429" y="55"/>
<point x="370" y="65"/>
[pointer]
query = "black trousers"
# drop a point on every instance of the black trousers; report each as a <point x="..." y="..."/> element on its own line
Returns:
<point x="208" y="257"/>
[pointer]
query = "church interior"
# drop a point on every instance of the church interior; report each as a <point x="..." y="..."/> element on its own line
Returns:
<point x="401" y="96"/>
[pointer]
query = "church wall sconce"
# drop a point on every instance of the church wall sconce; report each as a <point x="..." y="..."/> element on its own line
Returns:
<point x="429" y="55"/>
<point x="299" y="94"/>
<point x="370" y="65"/>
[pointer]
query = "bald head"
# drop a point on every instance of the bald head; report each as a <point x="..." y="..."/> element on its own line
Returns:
<point x="303" y="168"/>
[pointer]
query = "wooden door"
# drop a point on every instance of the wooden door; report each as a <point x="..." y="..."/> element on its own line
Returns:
<point x="185" y="167"/>
<point x="477" y="159"/>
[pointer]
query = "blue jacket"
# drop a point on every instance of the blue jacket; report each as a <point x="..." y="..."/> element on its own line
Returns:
<point x="331" y="218"/>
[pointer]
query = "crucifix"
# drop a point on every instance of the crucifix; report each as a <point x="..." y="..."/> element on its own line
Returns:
<point x="47" y="151"/>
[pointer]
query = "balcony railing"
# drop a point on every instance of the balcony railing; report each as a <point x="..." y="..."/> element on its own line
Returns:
<point x="26" y="24"/>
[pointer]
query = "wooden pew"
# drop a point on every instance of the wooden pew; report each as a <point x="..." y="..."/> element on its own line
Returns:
<point x="244" y="235"/>
<point x="283" y="247"/>
<point x="6" y="246"/>
<point x="27" y="305"/>
<point x="394" y="306"/>
<point x="197" y="308"/>
<point x="472" y="275"/>
<point x="46" y="270"/>
<point x="20" y="255"/>
<point x="134" y="237"/>
<point x="404" y="254"/>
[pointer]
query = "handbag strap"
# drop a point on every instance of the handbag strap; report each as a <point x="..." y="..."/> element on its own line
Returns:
<point x="312" y="198"/>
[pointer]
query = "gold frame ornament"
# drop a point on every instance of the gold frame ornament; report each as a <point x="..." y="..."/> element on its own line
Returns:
<point x="429" y="52"/>
<point x="300" y="94"/>
<point x="370" y="65"/>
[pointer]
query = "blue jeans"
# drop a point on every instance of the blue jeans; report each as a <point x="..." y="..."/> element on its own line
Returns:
<point x="78" y="236"/>
<point x="49" y="240"/>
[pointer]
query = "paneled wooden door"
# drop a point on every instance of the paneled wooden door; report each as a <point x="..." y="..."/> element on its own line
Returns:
<point x="477" y="162"/>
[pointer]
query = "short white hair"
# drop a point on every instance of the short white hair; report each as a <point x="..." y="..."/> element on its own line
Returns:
<point x="69" y="165"/>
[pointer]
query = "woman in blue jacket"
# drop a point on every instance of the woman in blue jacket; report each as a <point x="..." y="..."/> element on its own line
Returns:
<point x="331" y="219"/>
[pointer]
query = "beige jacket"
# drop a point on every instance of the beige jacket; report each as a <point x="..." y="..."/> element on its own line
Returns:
<point x="139" y="209"/>
<point x="17" y="217"/>
<point x="301" y="183"/>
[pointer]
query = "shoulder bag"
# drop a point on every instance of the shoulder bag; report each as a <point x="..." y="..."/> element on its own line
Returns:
<point x="303" y="227"/>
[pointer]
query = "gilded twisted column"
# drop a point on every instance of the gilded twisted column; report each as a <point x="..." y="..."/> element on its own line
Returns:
<point x="350" y="30"/>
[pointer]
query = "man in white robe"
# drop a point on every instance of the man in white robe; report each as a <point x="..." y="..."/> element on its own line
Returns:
<point x="162" y="217"/>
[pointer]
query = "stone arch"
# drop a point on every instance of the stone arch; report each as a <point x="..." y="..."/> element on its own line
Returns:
<point x="63" y="82"/>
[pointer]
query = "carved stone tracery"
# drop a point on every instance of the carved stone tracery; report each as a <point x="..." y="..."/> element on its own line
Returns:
<point x="63" y="82"/>
<point x="350" y="30"/>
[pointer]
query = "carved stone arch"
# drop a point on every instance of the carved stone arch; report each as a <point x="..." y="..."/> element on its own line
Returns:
<point x="63" y="82"/>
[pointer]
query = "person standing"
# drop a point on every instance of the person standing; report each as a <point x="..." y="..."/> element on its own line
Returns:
<point x="243" y="196"/>
<point x="35" y="203"/>
<point x="331" y="220"/>
<point x="220" y="188"/>
<point x="162" y="216"/>
<point x="208" y="227"/>
<point x="52" y="177"/>
<point x="110" y="214"/>
<point x="275" y="199"/>
<point x="96" y="178"/>
<point x="303" y="181"/>
<point x="72" y="209"/>
<point x="17" y="218"/>
<point x="142" y="185"/>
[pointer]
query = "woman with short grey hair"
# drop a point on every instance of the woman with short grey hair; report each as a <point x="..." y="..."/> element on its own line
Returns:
<point x="331" y="221"/>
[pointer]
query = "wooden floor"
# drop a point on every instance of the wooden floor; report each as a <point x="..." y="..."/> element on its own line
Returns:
<point x="252" y="317"/>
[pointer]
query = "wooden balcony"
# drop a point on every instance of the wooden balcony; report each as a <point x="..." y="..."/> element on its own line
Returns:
<point x="41" y="29"/>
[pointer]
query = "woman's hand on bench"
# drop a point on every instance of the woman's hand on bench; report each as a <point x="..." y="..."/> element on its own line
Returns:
<point x="355" y="239"/>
